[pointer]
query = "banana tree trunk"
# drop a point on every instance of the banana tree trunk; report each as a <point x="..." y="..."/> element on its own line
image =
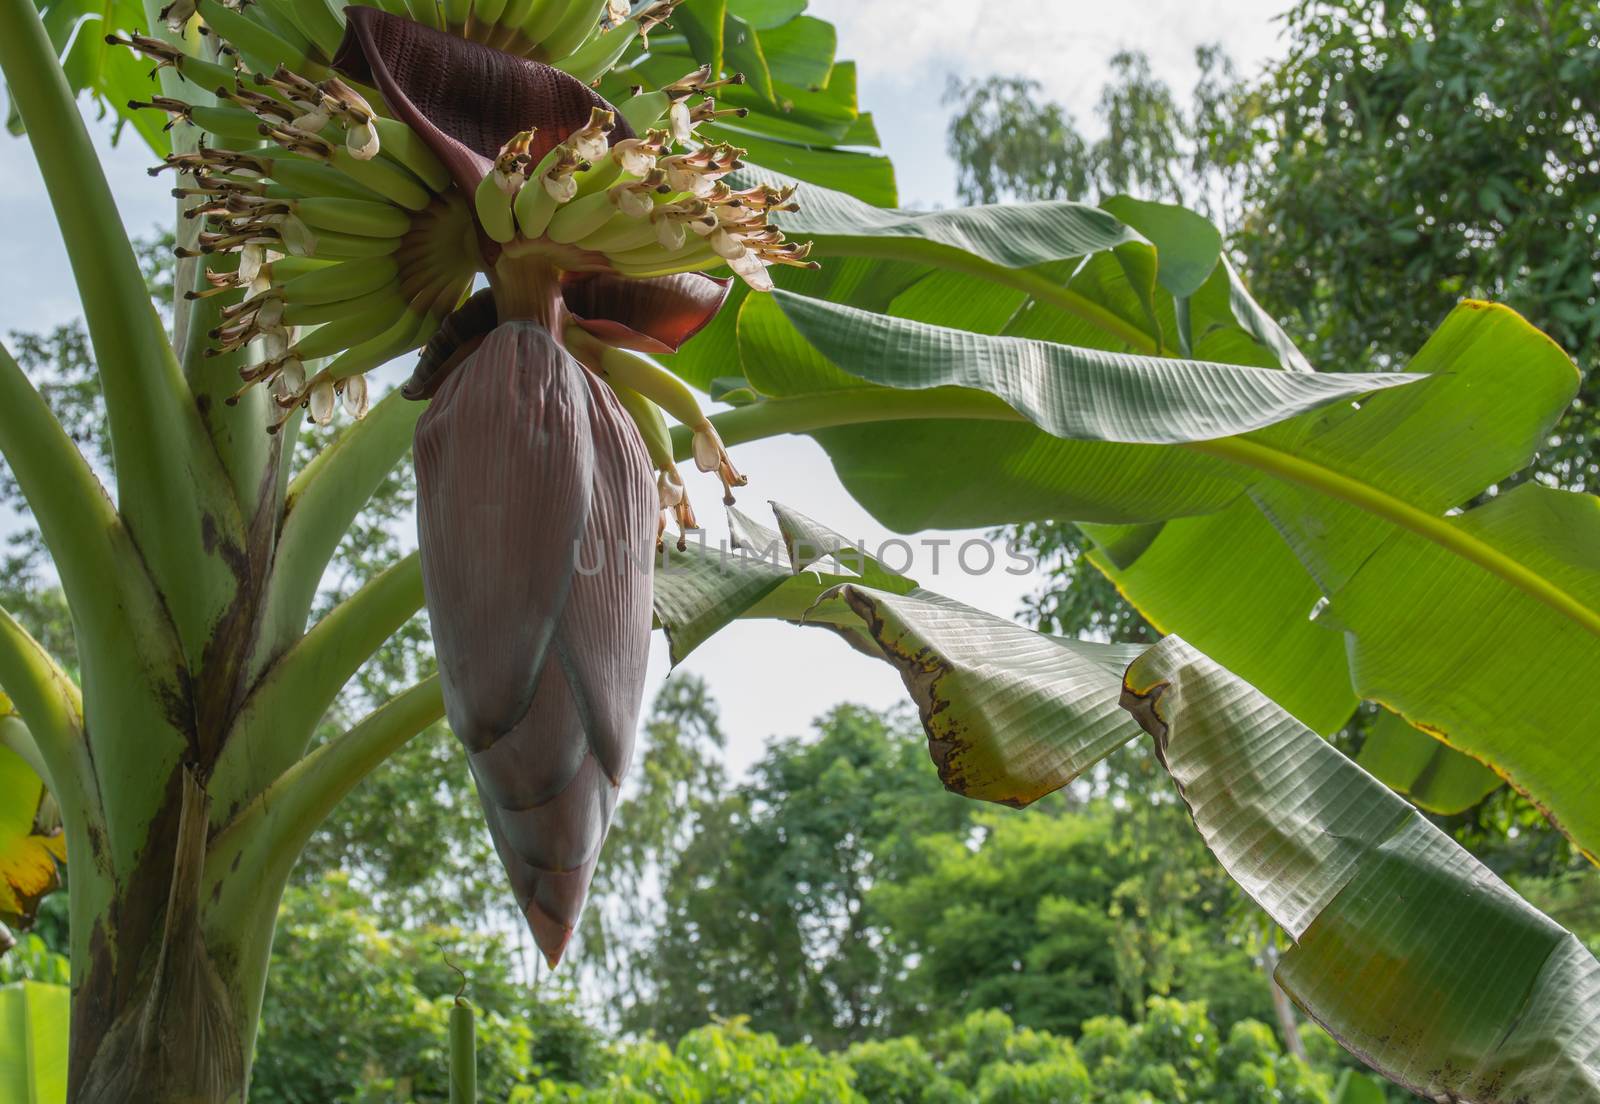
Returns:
<point x="157" y="1014"/>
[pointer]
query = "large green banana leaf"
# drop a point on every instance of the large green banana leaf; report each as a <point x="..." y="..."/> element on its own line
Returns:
<point x="1317" y="556"/>
<point x="1058" y="271"/>
<point x="33" y="1043"/>
<point x="1407" y="949"/>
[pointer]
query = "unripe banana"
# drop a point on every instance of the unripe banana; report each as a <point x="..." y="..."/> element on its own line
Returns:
<point x="646" y="269"/>
<point x="272" y="18"/>
<point x="384" y="177"/>
<point x="661" y="387"/>
<point x="622" y="235"/>
<point x="338" y="282"/>
<point x="598" y="176"/>
<point x="534" y="204"/>
<point x="647" y="418"/>
<point x="318" y="23"/>
<point x="582" y="217"/>
<point x="582" y="19"/>
<point x="544" y="16"/>
<point x="290" y="269"/>
<point x="455" y="13"/>
<point x="644" y="111"/>
<point x="512" y="17"/>
<point x="596" y="57"/>
<point x="334" y="246"/>
<point x="318" y="314"/>
<point x="402" y="144"/>
<point x="205" y="74"/>
<point x="351" y="330"/>
<point x="263" y="49"/>
<point x="299" y="176"/>
<point x="493" y="204"/>
<point x="486" y="13"/>
<point x="356" y="217"/>
<point x="233" y="125"/>
<point x="404" y="334"/>
<point x="425" y="12"/>
<point x="694" y="254"/>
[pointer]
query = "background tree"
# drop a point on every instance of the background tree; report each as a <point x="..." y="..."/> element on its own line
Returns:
<point x="767" y="910"/>
<point x="1411" y="154"/>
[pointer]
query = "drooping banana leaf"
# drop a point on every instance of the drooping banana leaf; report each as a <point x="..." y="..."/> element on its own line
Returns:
<point x="1384" y="909"/>
<point x="1407" y="950"/>
<point x="32" y="846"/>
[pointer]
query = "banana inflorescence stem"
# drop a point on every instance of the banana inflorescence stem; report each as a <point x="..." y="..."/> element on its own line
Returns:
<point x="529" y="288"/>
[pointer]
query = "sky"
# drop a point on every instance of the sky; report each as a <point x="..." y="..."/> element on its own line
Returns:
<point x="772" y="679"/>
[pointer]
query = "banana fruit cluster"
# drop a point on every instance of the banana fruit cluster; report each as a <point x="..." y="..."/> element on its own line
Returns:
<point x="635" y="207"/>
<point x="333" y="236"/>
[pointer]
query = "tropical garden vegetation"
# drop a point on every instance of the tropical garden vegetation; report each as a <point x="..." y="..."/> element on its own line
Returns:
<point x="212" y="640"/>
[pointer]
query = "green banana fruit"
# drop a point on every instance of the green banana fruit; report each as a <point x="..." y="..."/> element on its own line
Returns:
<point x="647" y="418"/>
<point x="384" y="177"/>
<point x="493" y="205"/>
<point x="288" y="269"/>
<point x="582" y="217"/>
<point x="644" y="111"/>
<point x="486" y="13"/>
<point x="351" y="330"/>
<point x="227" y="124"/>
<point x="596" y="57"/>
<point x="334" y="246"/>
<point x="300" y="176"/>
<point x="318" y="23"/>
<point x="621" y="236"/>
<point x="356" y="217"/>
<point x="661" y="387"/>
<point x="543" y="17"/>
<point x="318" y="314"/>
<point x="263" y="49"/>
<point x="407" y="332"/>
<point x="603" y="174"/>
<point x="425" y="12"/>
<point x="338" y="282"/>
<point x="582" y="19"/>
<point x="402" y="144"/>
<point x="534" y="204"/>
<point x="206" y="74"/>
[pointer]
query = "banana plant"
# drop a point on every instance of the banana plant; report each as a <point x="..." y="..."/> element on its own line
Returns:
<point x="344" y="176"/>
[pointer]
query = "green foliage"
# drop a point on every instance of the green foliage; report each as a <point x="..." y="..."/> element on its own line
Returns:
<point x="1412" y="154"/>
<point x="723" y="1063"/>
<point x="1056" y="919"/>
<point x="33" y="959"/>
<point x="358" y="1013"/>
<point x="1172" y="1057"/>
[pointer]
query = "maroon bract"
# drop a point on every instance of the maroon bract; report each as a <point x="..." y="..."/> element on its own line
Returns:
<point x="464" y="99"/>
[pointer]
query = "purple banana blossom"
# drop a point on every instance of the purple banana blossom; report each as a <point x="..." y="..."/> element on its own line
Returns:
<point x="525" y="463"/>
<point x="537" y="506"/>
